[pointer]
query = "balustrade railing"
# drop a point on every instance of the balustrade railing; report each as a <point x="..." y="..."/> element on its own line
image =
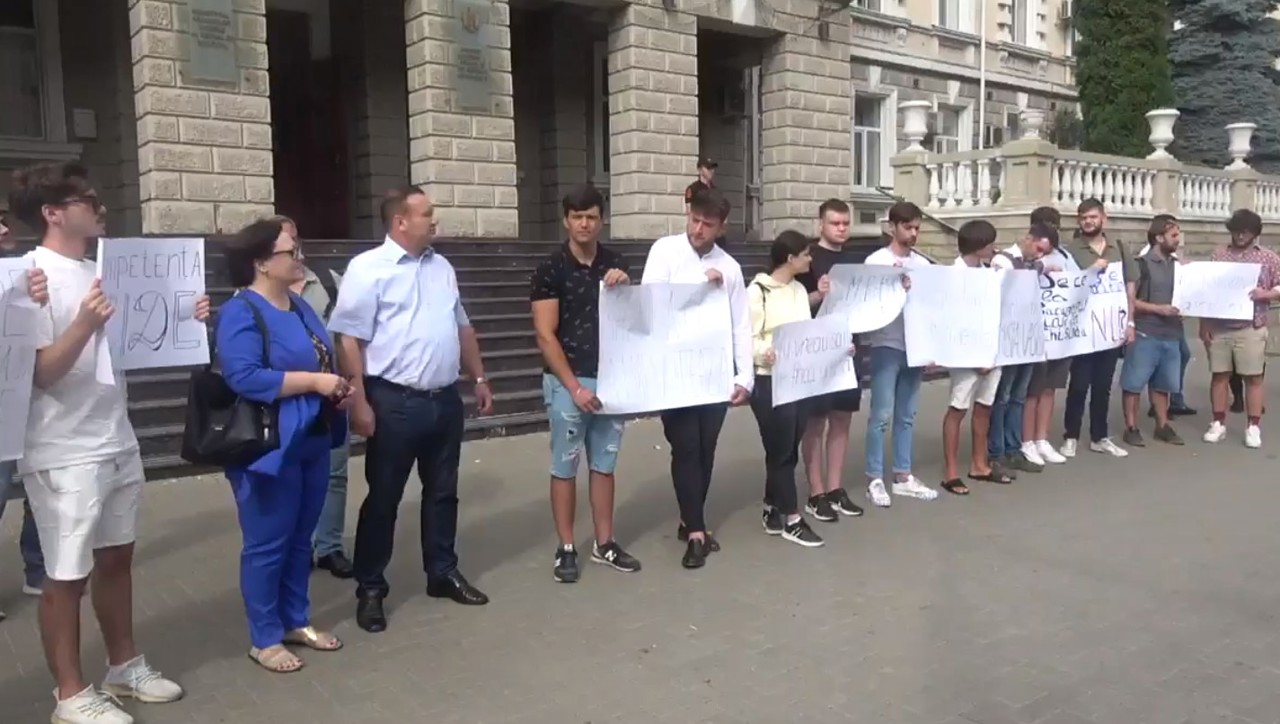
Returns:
<point x="964" y="180"/>
<point x="1117" y="182"/>
<point x="1204" y="192"/>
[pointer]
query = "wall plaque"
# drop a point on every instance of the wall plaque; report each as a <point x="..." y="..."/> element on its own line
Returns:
<point x="473" y="78"/>
<point x="213" y="41"/>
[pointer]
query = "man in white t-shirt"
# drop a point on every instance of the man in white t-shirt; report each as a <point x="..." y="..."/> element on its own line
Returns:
<point x="81" y="466"/>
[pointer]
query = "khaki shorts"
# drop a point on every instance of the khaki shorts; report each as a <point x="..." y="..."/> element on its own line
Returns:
<point x="1243" y="351"/>
<point x="968" y="387"/>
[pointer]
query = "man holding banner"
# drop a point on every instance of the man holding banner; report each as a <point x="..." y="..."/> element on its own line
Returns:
<point x="1177" y="401"/>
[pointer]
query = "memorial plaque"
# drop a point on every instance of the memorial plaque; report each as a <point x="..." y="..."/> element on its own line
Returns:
<point x="473" y="77"/>
<point x="213" y="41"/>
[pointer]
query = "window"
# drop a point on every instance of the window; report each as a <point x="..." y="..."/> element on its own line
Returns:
<point x="1013" y="125"/>
<point x="873" y="5"/>
<point x="946" y="130"/>
<point x="868" y="117"/>
<point x="21" y="92"/>
<point x="600" y="115"/>
<point x="949" y="14"/>
<point x="1020" y="11"/>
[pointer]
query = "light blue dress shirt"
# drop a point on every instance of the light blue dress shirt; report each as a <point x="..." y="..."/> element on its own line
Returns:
<point x="408" y="311"/>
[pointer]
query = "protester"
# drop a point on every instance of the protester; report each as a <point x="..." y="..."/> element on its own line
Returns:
<point x="1177" y="401"/>
<point x="1092" y="374"/>
<point x="895" y="386"/>
<point x="829" y="416"/>
<point x="776" y="298"/>
<point x="565" y="298"/>
<point x="403" y="335"/>
<point x="1046" y="377"/>
<point x="1241" y="346"/>
<point x="280" y="495"/>
<point x="692" y="432"/>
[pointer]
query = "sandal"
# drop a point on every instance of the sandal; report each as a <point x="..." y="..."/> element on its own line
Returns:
<point x="311" y="638"/>
<point x="995" y="476"/>
<point x="276" y="659"/>
<point x="955" y="486"/>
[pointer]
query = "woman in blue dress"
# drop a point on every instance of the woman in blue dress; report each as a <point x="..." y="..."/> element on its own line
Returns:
<point x="279" y="496"/>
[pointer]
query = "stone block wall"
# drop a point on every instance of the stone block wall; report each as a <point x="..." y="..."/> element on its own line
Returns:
<point x="204" y="149"/>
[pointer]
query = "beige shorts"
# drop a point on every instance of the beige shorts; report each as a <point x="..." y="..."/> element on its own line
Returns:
<point x="1243" y="351"/>
<point x="968" y="387"/>
<point x="81" y="508"/>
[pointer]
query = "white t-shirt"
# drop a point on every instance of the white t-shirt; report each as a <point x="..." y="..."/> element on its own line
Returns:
<point x="78" y="420"/>
<point x="894" y="335"/>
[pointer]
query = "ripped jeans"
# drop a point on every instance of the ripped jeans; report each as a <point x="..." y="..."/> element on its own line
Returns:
<point x="574" y="432"/>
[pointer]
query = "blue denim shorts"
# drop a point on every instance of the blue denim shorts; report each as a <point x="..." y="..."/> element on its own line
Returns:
<point x="574" y="431"/>
<point x="1154" y="362"/>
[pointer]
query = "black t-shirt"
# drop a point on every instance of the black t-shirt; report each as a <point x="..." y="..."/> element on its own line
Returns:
<point x="823" y="260"/>
<point x="577" y="287"/>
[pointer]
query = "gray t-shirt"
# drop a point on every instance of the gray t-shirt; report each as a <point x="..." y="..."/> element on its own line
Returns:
<point x="314" y="291"/>
<point x="895" y="334"/>
<point x="1155" y="286"/>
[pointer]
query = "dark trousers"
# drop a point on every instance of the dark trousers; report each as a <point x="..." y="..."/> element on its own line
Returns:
<point x="410" y="427"/>
<point x="1091" y="377"/>
<point x="692" y="433"/>
<point x="780" y="431"/>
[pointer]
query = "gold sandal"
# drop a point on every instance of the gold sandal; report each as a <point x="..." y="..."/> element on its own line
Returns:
<point x="311" y="638"/>
<point x="276" y="659"/>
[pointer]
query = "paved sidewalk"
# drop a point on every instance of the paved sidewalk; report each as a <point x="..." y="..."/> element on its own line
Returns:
<point x="1112" y="591"/>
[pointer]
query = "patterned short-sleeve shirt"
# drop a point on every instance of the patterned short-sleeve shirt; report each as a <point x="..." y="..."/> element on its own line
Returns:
<point x="577" y="287"/>
<point x="1268" y="278"/>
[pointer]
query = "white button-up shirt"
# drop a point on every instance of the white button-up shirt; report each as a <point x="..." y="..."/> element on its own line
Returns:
<point x="672" y="260"/>
<point x="408" y="311"/>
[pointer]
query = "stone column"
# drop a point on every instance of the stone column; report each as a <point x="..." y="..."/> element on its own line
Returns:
<point x="204" y="115"/>
<point x="807" y="104"/>
<point x="462" y="132"/>
<point x="653" y="120"/>
<point x="1028" y="169"/>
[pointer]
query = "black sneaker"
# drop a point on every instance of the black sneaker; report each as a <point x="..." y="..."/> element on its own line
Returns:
<point x="1181" y="411"/>
<point x="695" y="556"/>
<point x="611" y="554"/>
<point x="682" y="535"/>
<point x="1168" y="435"/>
<point x="820" y="507"/>
<point x="1133" y="438"/>
<point x="800" y="533"/>
<point x="566" y="570"/>
<point x="843" y="505"/>
<point x="772" y="521"/>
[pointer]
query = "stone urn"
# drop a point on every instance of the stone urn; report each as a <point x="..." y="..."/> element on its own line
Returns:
<point x="1239" y="136"/>
<point x="1032" y="122"/>
<point x="915" y="123"/>
<point x="1161" y="121"/>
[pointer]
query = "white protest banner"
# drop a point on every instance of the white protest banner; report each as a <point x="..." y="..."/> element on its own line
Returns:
<point x="664" y="346"/>
<point x="17" y="355"/>
<point x="869" y="297"/>
<point x="1022" y="331"/>
<point x="1085" y="311"/>
<point x="1215" y="289"/>
<point x="812" y="359"/>
<point x="952" y="317"/>
<point x="153" y="285"/>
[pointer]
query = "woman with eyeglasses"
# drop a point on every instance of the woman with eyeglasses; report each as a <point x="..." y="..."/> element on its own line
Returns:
<point x="280" y="495"/>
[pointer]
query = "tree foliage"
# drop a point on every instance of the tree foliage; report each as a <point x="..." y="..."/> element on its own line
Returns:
<point x="1223" y="55"/>
<point x="1122" y="70"/>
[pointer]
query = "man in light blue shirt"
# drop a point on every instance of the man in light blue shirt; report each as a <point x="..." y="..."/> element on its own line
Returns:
<point x="402" y="336"/>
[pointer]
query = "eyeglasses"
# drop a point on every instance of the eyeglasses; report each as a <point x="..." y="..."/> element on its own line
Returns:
<point x="93" y="202"/>
<point x="295" y="252"/>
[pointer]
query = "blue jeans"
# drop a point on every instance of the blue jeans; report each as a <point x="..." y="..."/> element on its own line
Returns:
<point x="332" y="523"/>
<point x="1177" y="399"/>
<point x="1006" y="414"/>
<point x="574" y="432"/>
<point x="895" y="390"/>
<point x="29" y="539"/>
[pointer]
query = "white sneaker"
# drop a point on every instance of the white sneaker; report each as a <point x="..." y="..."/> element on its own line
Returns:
<point x="90" y="707"/>
<point x="1032" y="453"/>
<point x="913" y="488"/>
<point x="1217" y="432"/>
<point x="877" y="494"/>
<point x="137" y="680"/>
<point x="1253" y="437"/>
<point x="1068" y="447"/>
<point x="31" y="590"/>
<point x="1053" y="456"/>
<point x="1107" y="447"/>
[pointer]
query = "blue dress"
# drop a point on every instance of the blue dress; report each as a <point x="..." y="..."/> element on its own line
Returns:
<point x="280" y="495"/>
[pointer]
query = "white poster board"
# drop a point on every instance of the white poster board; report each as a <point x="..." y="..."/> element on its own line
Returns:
<point x="952" y="317"/>
<point x="1086" y="311"/>
<point x="153" y="285"/>
<point x="1022" y="329"/>
<point x="869" y="297"/>
<point x="812" y="359"/>
<point x="664" y="346"/>
<point x="1215" y="289"/>
<point x="17" y="355"/>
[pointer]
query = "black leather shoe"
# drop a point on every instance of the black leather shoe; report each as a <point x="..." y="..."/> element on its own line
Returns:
<point x="1181" y="411"/>
<point x="369" y="614"/>
<point x="456" y="587"/>
<point x="695" y="556"/>
<point x="713" y="545"/>
<point x="337" y="564"/>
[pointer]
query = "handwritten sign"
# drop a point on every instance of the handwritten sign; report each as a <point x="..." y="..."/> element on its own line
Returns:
<point x="812" y="359"/>
<point x="1022" y="329"/>
<point x="664" y="346"/>
<point x="870" y="297"/>
<point x="952" y="317"/>
<point x="153" y="285"/>
<point x="1086" y="311"/>
<point x="1215" y="289"/>
<point x="17" y="355"/>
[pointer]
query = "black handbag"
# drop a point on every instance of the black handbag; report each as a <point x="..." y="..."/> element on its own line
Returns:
<point x="223" y="428"/>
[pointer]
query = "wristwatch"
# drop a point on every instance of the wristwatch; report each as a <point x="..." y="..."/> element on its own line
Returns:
<point x="481" y="381"/>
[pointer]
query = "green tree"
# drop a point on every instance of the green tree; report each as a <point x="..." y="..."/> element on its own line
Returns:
<point x="1122" y="71"/>
<point x="1223" y="55"/>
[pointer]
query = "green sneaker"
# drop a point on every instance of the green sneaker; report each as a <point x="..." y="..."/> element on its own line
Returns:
<point x="1168" y="435"/>
<point x="1018" y="461"/>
